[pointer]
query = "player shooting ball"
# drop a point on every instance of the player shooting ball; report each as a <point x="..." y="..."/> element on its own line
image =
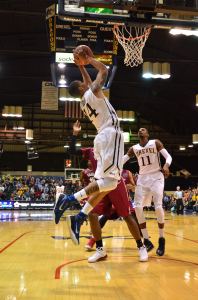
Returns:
<point x="108" y="143"/>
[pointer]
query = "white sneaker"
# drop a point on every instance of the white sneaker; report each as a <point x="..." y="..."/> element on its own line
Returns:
<point x="143" y="254"/>
<point x="100" y="254"/>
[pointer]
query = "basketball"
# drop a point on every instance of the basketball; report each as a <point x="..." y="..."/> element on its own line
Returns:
<point x="82" y="51"/>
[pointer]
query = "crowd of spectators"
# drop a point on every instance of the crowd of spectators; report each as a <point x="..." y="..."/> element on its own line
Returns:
<point x="42" y="188"/>
<point x="189" y="200"/>
<point x="34" y="188"/>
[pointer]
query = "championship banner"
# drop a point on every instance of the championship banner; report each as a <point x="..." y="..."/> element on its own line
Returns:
<point x="73" y="110"/>
<point x="49" y="98"/>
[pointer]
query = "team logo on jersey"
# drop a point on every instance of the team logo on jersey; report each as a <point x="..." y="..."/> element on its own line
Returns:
<point x="145" y="151"/>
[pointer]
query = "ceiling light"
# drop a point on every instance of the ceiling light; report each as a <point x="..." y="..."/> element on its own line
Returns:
<point x="5" y="111"/>
<point x="165" y="71"/>
<point x="29" y="168"/>
<point x="62" y="94"/>
<point x="69" y="99"/>
<point x="190" y="146"/>
<point x="182" y="148"/>
<point x="29" y="134"/>
<point x="127" y="116"/>
<point x="78" y="144"/>
<point x="62" y="80"/>
<point x="27" y="142"/>
<point x="176" y="31"/>
<point x="18" y="111"/>
<point x="61" y="65"/>
<point x="12" y="111"/>
<point x="147" y="69"/>
<point x="15" y="127"/>
<point x="157" y="70"/>
<point x="19" y="125"/>
<point x="195" y="138"/>
<point x="66" y="146"/>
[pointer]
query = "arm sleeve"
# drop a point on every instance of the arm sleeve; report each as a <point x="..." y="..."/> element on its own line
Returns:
<point x="166" y="155"/>
<point x="125" y="158"/>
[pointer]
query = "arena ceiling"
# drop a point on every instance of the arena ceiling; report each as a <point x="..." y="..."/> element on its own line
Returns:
<point x="168" y="106"/>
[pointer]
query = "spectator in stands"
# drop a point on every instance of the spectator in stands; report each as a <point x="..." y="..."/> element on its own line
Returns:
<point x="166" y="201"/>
<point x="179" y="201"/>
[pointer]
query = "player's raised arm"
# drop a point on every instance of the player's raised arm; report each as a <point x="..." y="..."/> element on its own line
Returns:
<point x="76" y="131"/>
<point x="101" y="77"/>
<point x="85" y="75"/>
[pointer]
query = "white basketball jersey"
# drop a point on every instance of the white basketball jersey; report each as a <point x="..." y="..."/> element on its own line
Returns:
<point x="99" y="111"/>
<point x="60" y="189"/>
<point x="148" y="157"/>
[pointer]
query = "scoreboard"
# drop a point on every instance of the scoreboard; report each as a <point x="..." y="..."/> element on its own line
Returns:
<point x="65" y="34"/>
<point x="98" y="37"/>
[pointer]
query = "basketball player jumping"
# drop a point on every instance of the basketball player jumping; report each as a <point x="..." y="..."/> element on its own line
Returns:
<point x="150" y="182"/>
<point x="114" y="205"/>
<point x="108" y="143"/>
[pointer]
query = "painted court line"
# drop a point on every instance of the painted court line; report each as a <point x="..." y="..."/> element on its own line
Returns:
<point x="181" y="237"/>
<point x="14" y="241"/>
<point x="58" y="269"/>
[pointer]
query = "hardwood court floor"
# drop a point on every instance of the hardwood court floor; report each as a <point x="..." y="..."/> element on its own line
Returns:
<point x="38" y="262"/>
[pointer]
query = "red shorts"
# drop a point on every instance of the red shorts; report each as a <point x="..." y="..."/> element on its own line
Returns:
<point x="118" y="198"/>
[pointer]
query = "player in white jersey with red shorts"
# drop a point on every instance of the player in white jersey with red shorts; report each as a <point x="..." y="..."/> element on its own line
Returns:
<point x="150" y="182"/>
<point x="108" y="143"/>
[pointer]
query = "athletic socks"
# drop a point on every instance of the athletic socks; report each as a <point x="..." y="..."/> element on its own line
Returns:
<point x="161" y="232"/>
<point x="80" y="195"/>
<point x="86" y="208"/>
<point x="139" y="243"/>
<point x="99" y="244"/>
<point x="145" y="233"/>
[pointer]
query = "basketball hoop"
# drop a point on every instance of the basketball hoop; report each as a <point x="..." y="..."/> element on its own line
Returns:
<point x="132" y="39"/>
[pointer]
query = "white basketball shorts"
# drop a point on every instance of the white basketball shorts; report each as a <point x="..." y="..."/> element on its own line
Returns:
<point x="149" y="187"/>
<point x="109" y="152"/>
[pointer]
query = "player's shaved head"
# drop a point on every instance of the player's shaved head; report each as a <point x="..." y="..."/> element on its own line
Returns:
<point x="74" y="88"/>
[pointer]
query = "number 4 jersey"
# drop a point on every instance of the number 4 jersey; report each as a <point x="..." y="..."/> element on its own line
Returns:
<point x="99" y="111"/>
<point x="148" y="157"/>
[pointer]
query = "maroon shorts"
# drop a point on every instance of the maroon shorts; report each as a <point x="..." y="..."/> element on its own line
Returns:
<point x="118" y="198"/>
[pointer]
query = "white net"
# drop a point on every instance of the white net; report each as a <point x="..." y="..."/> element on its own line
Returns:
<point x="132" y="39"/>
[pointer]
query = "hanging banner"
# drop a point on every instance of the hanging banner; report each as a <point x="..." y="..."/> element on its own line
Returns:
<point x="49" y="98"/>
<point x="73" y="110"/>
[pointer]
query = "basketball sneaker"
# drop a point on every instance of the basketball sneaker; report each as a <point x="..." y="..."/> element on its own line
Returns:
<point x="90" y="244"/>
<point x="148" y="244"/>
<point x="161" y="248"/>
<point x="100" y="254"/>
<point x="143" y="255"/>
<point x="63" y="203"/>
<point x="74" y="223"/>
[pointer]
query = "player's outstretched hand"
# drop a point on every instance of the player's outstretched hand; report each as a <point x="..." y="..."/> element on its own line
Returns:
<point x="76" y="128"/>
